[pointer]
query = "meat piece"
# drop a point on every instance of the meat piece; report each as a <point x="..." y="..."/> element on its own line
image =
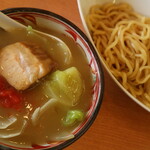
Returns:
<point x="22" y="64"/>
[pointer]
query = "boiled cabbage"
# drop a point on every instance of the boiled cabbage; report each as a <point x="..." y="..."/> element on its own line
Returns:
<point x="65" y="86"/>
<point x="72" y="117"/>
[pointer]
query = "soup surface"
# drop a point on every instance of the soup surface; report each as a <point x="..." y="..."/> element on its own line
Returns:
<point x="37" y="121"/>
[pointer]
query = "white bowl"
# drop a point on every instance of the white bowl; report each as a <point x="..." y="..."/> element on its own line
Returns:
<point x="141" y="6"/>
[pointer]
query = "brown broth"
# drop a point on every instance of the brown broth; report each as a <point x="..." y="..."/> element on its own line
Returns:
<point x="50" y="125"/>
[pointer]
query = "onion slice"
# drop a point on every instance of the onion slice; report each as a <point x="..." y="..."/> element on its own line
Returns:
<point x="9" y="133"/>
<point x="40" y="110"/>
<point x="7" y="122"/>
<point x="64" y="138"/>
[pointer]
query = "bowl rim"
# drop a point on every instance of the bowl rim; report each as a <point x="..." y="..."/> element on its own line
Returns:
<point x="97" y="60"/>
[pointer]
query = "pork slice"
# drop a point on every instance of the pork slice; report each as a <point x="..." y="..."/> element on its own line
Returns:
<point x="22" y="64"/>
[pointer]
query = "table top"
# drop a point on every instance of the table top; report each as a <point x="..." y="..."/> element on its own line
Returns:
<point x="121" y="124"/>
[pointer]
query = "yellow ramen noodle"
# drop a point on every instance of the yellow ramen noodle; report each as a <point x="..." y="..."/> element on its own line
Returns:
<point x="122" y="38"/>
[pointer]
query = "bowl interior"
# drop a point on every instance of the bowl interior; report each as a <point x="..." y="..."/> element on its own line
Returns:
<point x="48" y="20"/>
<point x="138" y="5"/>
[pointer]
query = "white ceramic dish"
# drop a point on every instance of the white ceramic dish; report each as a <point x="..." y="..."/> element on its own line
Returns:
<point x="141" y="6"/>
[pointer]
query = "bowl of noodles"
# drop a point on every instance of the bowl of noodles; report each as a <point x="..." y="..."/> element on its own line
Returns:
<point x="120" y="32"/>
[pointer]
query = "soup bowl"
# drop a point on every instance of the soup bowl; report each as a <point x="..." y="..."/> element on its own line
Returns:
<point x="47" y="20"/>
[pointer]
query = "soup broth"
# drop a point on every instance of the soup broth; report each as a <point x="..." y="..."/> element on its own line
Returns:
<point x="50" y="127"/>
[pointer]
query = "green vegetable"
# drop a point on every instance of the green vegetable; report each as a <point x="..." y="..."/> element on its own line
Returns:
<point x="29" y="29"/>
<point x="73" y="116"/>
<point x="65" y="86"/>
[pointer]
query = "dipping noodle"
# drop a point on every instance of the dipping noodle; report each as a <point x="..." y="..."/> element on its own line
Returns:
<point x="122" y="37"/>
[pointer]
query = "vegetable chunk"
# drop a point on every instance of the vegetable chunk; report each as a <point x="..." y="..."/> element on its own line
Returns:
<point x="66" y="86"/>
<point x="22" y="64"/>
<point x="73" y="116"/>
